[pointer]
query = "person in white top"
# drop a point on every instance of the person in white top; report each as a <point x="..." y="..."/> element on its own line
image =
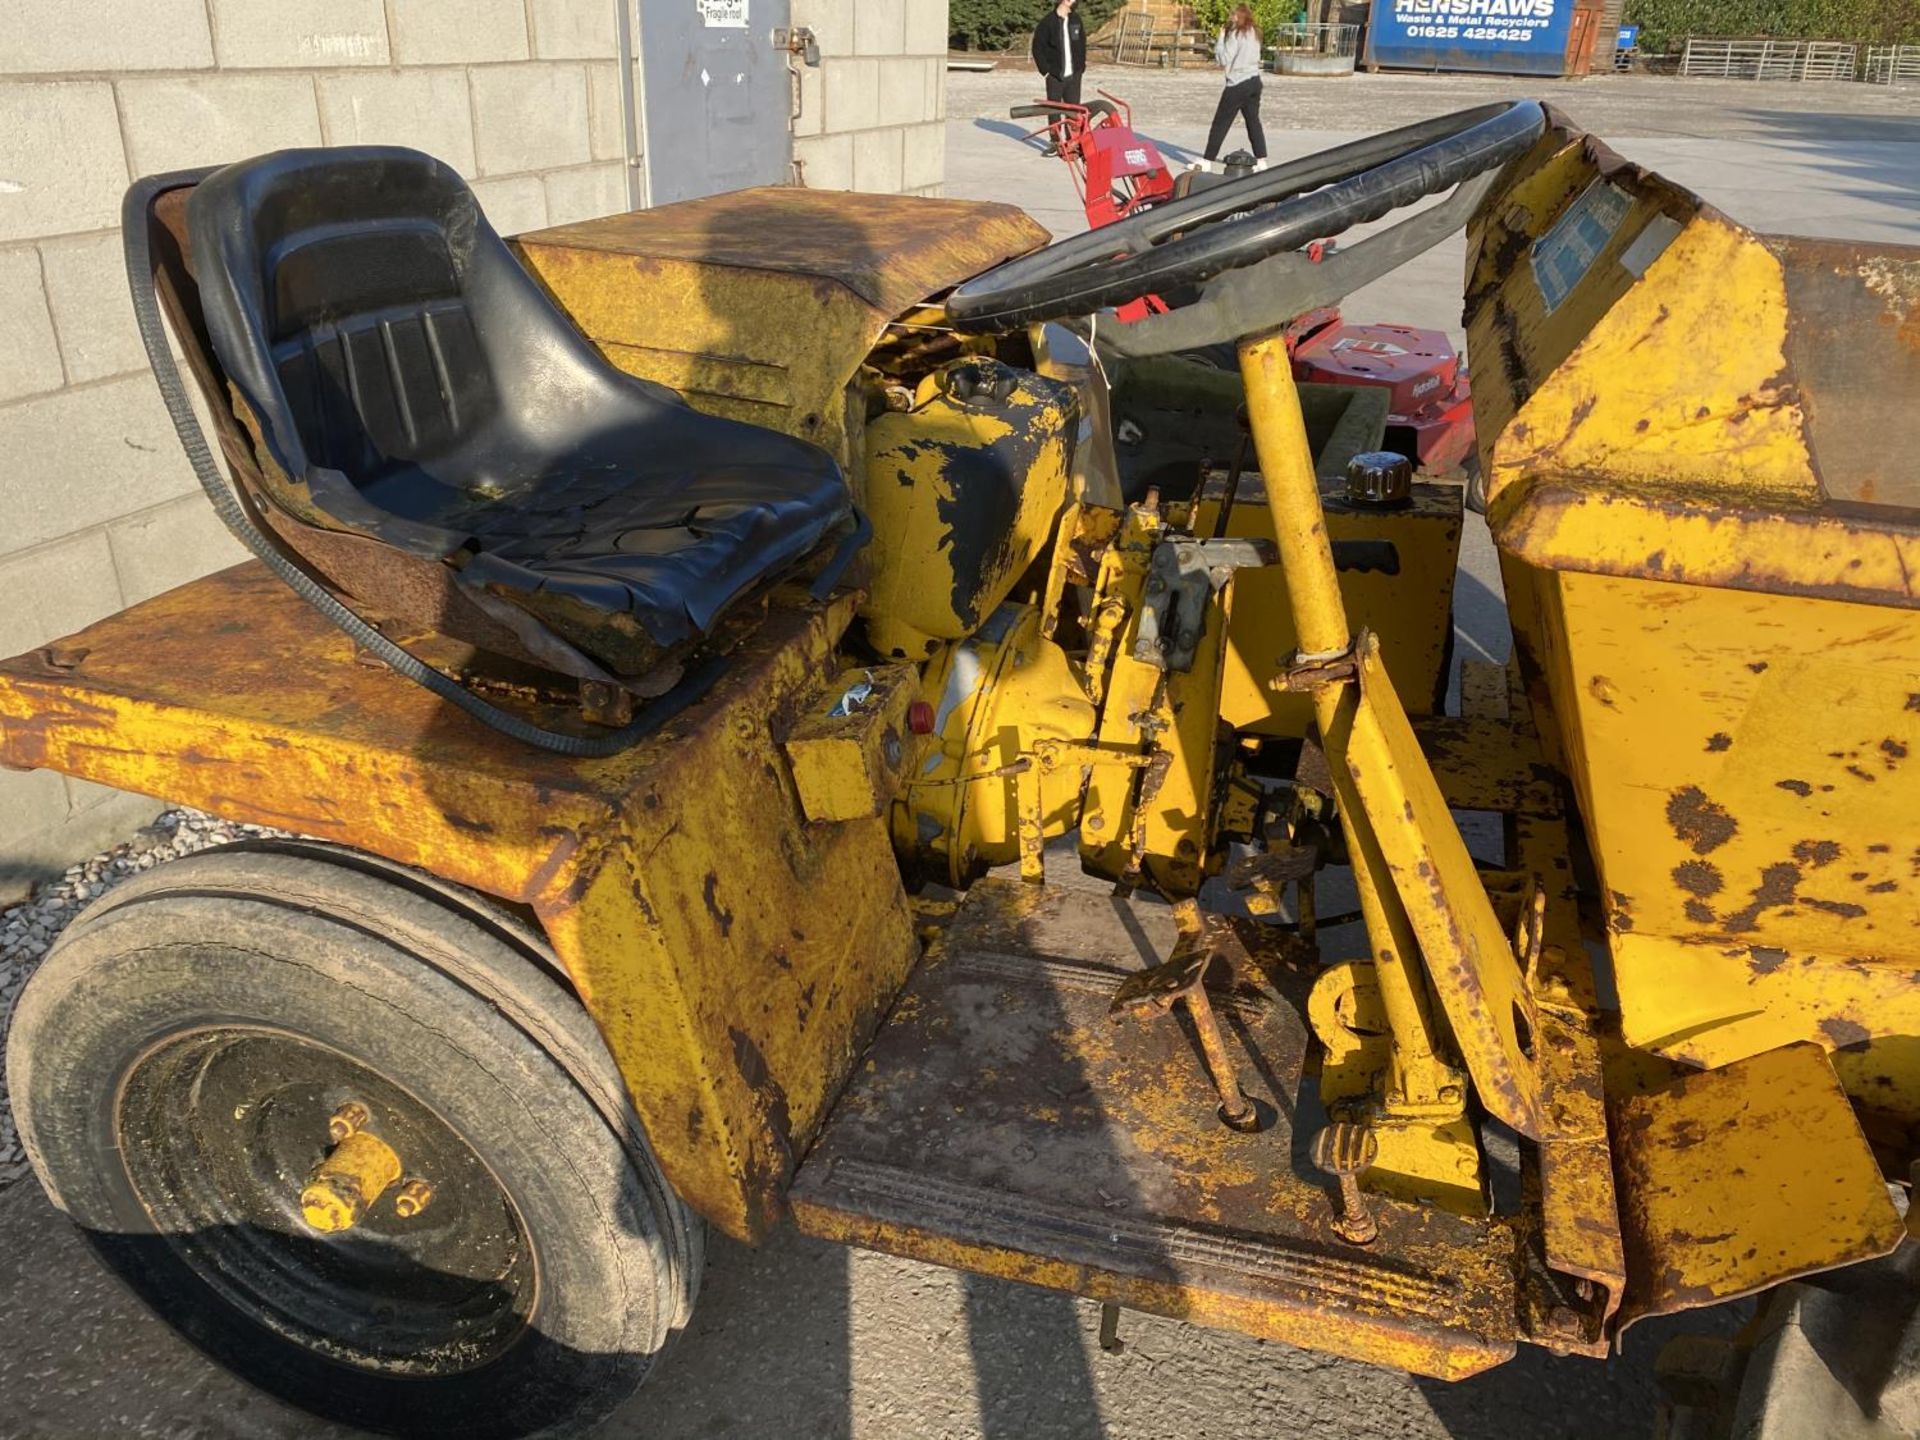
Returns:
<point x="1238" y="51"/>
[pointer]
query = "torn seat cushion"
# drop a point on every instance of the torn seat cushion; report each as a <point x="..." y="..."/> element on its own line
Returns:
<point x="414" y="384"/>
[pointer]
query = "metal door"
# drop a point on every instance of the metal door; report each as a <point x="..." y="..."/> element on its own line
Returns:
<point x="716" y="96"/>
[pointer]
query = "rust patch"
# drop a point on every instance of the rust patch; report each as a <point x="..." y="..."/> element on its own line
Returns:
<point x="1698" y="822"/>
<point x="1765" y="959"/>
<point x="1893" y="750"/>
<point x="1913" y="702"/>
<point x="1698" y="877"/>
<point x="1885" y="887"/>
<point x="1843" y="1034"/>
<point x="1719" y="741"/>
<point x="772" y="1101"/>
<point x="1758" y="667"/>
<point x="1845" y="909"/>
<point x="1700" y="913"/>
<point x="1816" y="852"/>
<point x="1619" y="912"/>
<point x="1798" y="787"/>
<point x="1859" y="774"/>
<point x="721" y="917"/>
<point x="1779" y="885"/>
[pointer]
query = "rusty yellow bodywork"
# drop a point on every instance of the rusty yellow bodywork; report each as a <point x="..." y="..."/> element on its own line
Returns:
<point x="763" y="305"/>
<point x="966" y="481"/>
<point x="1707" y="559"/>
<point x="1399" y="585"/>
<point x="1767" y="1120"/>
<point x="850" y="758"/>
<point x="1706" y="501"/>
<point x="1004" y="1124"/>
<point x="676" y="882"/>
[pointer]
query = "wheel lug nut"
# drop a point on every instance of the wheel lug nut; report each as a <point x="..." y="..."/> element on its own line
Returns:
<point x="413" y="1197"/>
<point x="347" y="1120"/>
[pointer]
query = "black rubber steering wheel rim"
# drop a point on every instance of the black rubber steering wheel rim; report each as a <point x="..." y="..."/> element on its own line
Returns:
<point x="1227" y="227"/>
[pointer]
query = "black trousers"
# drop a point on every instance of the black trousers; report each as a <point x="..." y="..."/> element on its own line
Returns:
<point x="1067" y="90"/>
<point x="1243" y="100"/>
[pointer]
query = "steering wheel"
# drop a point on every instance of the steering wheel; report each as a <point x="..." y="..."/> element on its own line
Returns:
<point x="1241" y="240"/>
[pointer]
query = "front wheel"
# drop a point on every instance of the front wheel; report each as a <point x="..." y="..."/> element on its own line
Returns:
<point x="344" y="1130"/>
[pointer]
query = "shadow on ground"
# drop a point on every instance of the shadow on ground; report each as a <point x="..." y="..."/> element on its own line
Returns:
<point x="1878" y="155"/>
<point x="804" y="1339"/>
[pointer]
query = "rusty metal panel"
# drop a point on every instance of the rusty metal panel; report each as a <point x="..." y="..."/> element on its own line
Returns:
<point x="762" y="305"/>
<point x="1489" y="759"/>
<point x="1732" y="1180"/>
<point x="1004" y="1123"/>
<point x="1853" y="339"/>
<point x="891" y="252"/>
<point x="734" y="956"/>
<point x="1486" y="764"/>
<point x="1744" y="772"/>
<point x="1702" y="482"/>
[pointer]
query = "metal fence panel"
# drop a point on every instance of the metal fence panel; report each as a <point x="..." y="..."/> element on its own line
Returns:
<point x="1892" y="64"/>
<point x="1314" y="49"/>
<point x="1709" y="58"/>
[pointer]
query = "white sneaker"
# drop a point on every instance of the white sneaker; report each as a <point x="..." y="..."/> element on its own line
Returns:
<point x="1259" y="165"/>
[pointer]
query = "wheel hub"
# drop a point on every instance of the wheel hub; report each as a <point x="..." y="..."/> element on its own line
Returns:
<point x="357" y="1171"/>
<point x="326" y="1202"/>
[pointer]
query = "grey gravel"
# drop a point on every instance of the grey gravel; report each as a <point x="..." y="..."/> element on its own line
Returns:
<point x="28" y="930"/>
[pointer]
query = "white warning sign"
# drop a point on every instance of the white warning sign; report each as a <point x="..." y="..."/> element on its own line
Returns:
<point x="723" y="14"/>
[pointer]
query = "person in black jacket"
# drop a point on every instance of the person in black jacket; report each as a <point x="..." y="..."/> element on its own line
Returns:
<point x="1060" y="51"/>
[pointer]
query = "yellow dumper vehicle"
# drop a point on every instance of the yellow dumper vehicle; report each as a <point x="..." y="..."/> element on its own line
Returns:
<point x="796" y="716"/>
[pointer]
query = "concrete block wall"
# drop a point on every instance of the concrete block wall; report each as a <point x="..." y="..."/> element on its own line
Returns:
<point x="873" y="114"/>
<point x="98" y="509"/>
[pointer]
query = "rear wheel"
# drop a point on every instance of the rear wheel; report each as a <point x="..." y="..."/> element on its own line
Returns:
<point x="344" y="1129"/>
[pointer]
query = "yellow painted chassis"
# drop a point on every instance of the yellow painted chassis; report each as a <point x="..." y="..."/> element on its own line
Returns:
<point x="738" y="954"/>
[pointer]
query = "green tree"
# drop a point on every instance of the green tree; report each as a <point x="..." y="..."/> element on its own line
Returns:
<point x="1666" y="24"/>
<point x="1269" y="15"/>
<point x="1006" y="24"/>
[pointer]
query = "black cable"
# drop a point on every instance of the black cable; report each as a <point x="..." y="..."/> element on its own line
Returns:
<point x="134" y="219"/>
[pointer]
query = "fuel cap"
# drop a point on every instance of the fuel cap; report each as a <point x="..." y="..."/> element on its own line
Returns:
<point x="1382" y="479"/>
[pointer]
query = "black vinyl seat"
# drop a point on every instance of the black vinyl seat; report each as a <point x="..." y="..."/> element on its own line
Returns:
<point x="411" y="383"/>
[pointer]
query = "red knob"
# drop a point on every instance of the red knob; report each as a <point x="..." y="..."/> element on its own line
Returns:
<point x="920" y="717"/>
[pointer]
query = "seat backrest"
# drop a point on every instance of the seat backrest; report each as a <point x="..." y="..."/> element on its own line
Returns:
<point x="338" y="287"/>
